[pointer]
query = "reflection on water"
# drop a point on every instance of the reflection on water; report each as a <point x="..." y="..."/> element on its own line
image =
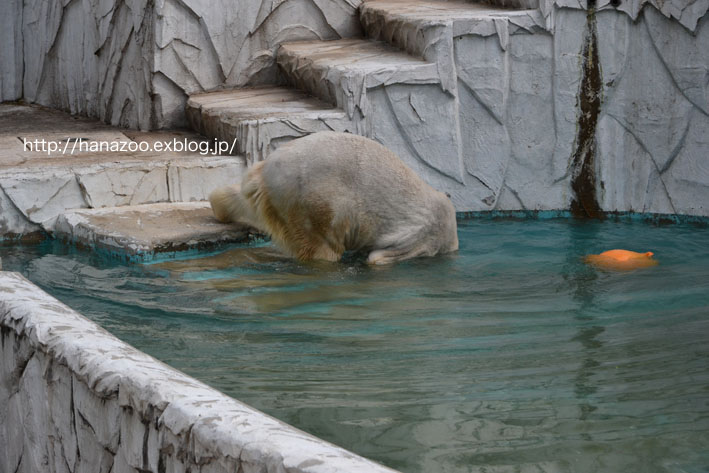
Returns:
<point x="583" y="280"/>
<point x="511" y="355"/>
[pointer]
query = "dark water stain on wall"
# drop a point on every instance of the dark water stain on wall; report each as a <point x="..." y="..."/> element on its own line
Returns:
<point x="583" y="182"/>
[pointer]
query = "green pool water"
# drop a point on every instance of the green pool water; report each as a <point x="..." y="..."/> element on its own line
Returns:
<point x="509" y="356"/>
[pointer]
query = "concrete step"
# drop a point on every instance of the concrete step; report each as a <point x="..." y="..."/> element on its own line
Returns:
<point x="37" y="185"/>
<point x="391" y="96"/>
<point x="430" y="29"/>
<point x="259" y="119"/>
<point x="340" y="72"/>
<point x="418" y="26"/>
<point x="520" y="4"/>
<point x="142" y="233"/>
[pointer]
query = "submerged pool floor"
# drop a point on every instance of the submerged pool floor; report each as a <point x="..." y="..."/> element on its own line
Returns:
<point x="511" y="355"/>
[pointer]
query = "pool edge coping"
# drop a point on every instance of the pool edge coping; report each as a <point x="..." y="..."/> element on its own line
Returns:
<point x="217" y="424"/>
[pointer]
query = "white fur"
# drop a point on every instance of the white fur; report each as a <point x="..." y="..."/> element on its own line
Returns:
<point x="329" y="192"/>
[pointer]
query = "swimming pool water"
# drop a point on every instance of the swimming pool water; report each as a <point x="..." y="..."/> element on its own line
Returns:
<point x="511" y="355"/>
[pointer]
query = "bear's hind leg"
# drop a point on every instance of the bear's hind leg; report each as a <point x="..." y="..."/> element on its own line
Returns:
<point x="393" y="255"/>
<point x="309" y="234"/>
<point x="307" y="246"/>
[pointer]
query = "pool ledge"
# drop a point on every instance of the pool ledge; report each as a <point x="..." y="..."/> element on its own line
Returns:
<point x="149" y="232"/>
<point x="74" y="397"/>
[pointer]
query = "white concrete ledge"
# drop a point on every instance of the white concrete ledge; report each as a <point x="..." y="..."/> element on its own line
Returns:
<point x="75" y="398"/>
<point x="144" y="232"/>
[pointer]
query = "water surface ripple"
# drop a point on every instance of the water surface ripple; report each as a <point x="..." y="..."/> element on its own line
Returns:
<point x="510" y="356"/>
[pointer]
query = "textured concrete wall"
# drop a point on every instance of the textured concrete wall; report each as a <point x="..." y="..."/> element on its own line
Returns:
<point x="11" y="43"/>
<point x="37" y="186"/>
<point x="206" y="44"/>
<point x="132" y="62"/>
<point x="601" y="113"/>
<point x="73" y="398"/>
<point x="89" y="57"/>
<point x="686" y="12"/>
<point x="507" y="124"/>
<point x="31" y="199"/>
<point x="589" y="110"/>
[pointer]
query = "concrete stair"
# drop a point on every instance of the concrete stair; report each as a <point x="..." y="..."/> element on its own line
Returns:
<point x="261" y="118"/>
<point x="399" y="85"/>
<point x="37" y="187"/>
<point x="143" y="233"/>
<point x="426" y="28"/>
<point x="393" y="97"/>
<point x="340" y="72"/>
<point x="135" y="205"/>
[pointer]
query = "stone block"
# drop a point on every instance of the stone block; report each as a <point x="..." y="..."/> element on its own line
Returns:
<point x="117" y="187"/>
<point x="341" y="72"/>
<point x="144" y="231"/>
<point x="194" y="180"/>
<point x="168" y="421"/>
<point x="36" y="186"/>
<point x="259" y="119"/>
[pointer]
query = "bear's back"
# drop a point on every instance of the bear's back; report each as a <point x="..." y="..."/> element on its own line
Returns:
<point x="341" y="165"/>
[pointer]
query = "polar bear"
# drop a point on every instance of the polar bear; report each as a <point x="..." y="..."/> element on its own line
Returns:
<point x="330" y="192"/>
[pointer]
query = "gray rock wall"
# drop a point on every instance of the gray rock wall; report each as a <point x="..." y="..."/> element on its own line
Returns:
<point x="73" y="398"/>
<point x="207" y="44"/>
<point x="686" y="12"/>
<point x="599" y="110"/>
<point x="509" y="106"/>
<point x="133" y="62"/>
<point x="11" y="44"/>
<point x="31" y="199"/>
<point x="604" y="112"/>
<point x="92" y="58"/>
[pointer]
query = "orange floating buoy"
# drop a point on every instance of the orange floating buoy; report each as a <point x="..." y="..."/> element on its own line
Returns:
<point x="622" y="260"/>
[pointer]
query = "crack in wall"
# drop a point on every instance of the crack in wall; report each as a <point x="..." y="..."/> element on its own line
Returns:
<point x="204" y="28"/>
<point x="35" y="208"/>
<point x="583" y="182"/>
<point x="409" y="142"/>
<point x="24" y="61"/>
<point x="659" y="171"/>
<point x="669" y="70"/>
<point x="49" y="59"/>
<point x="482" y="102"/>
<point x="19" y="461"/>
<point x="145" y="453"/>
<point x="114" y="12"/>
<point x="515" y="194"/>
<point x="116" y="75"/>
<point x="186" y="69"/>
<point x="18" y="212"/>
<point x="72" y="408"/>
